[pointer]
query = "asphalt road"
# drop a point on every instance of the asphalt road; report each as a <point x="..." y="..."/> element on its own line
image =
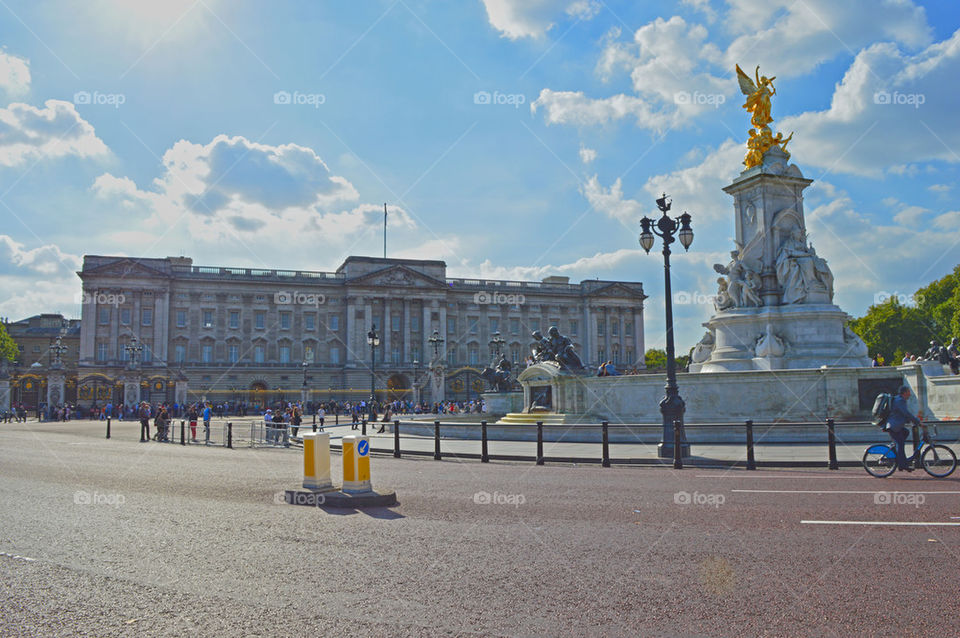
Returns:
<point x="121" y="538"/>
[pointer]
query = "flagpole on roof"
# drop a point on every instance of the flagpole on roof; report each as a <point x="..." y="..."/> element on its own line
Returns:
<point x="384" y="230"/>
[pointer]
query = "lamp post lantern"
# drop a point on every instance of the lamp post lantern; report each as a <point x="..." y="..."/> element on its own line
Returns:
<point x="436" y="341"/>
<point x="672" y="406"/>
<point x="133" y="349"/>
<point x="374" y="340"/>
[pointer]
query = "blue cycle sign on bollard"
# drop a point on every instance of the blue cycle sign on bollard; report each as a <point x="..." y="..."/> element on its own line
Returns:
<point x="363" y="447"/>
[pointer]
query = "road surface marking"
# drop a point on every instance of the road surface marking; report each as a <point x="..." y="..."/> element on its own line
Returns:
<point x="783" y="476"/>
<point x="910" y="523"/>
<point x="840" y="492"/>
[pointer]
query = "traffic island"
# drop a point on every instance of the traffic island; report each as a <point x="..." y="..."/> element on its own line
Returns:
<point x="357" y="490"/>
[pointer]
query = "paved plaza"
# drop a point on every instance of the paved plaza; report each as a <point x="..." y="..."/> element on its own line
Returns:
<point x="122" y="538"/>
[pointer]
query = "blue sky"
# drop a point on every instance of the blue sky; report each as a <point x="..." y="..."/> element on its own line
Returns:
<point x="154" y="131"/>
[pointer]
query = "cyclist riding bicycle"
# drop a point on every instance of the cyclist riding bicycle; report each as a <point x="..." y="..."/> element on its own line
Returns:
<point x="896" y="425"/>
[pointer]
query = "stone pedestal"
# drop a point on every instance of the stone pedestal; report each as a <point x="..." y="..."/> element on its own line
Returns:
<point x="437" y="383"/>
<point x="812" y="335"/>
<point x="180" y="391"/>
<point x="500" y="403"/>
<point x="131" y="389"/>
<point x="4" y="394"/>
<point x="56" y="388"/>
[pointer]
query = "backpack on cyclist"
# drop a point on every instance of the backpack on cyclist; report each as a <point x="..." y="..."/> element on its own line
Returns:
<point x="882" y="406"/>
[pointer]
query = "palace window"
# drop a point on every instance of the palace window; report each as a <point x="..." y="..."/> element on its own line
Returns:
<point x="181" y="318"/>
<point x="260" y="320"/>
<point x="494" y="325"/>
<point x="101" y="352"/>
<point x="125" y="316"/>
<point x="104" y="316"/>
<point x="258" y="354"/>
<point x="474" y="355"/>
<point x="601" y="327"/>
<point x="395" y="323"/>
<point x="335" y="355"/>
<point x="207" y="318"/>
<point x="147" y="316"/>
<point x="310" y="322"/>
<point x="573" y="327"/>
<point x="206" y="354"/>
<point x="147" y="355"/>
<point x="514" y="326"/>
<point x="395" y="354"/>
<point x="334" y="323"/>
<point x="414" y="324"/>
<point x="451" y="356"/>
<point x="616" y="353"/>
<point x="615" y="327"/>
<point x="234" y="354"/>
<point x="451" y="325"/>
<point x="234" y="319"/>
<point x="179" y="353"/>
<point x="285" y="320"/>
<point x="284" y="354"/>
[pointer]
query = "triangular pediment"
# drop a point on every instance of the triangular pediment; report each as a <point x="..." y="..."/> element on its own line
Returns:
<point x="396" y="277"/>
<point x="125" y="268"/>
<point x="616" y="289"/>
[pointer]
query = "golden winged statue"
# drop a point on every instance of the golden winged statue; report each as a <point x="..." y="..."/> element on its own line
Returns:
<point x="759" y="90"/>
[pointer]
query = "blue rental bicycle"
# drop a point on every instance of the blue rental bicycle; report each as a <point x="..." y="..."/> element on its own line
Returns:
<point x="936" y="459"/>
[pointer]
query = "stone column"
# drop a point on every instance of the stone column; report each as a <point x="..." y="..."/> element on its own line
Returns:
<point x="638" y="344"/>
<point x="387" y="330"/>
<point x="56" y="388"/>
<point x="161" y="326"/>
<point x="4" y="393"/>
<point x="586" y="337"/>
<point x="606" y="334"/>
<point x="349" y="328"/>
<point x="443" y="332"/>
<point x="114" y="333"/>
<point x="406" y="331"/>
<point x="88" y="325"/>
<point x="427" y="331"/>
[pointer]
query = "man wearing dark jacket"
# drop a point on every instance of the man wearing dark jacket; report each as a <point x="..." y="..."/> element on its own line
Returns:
<point x="144" y="415"/>
<point x="896" y="425"/>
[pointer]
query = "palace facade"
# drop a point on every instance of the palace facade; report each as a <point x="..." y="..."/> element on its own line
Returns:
<point x="248" y="333"/>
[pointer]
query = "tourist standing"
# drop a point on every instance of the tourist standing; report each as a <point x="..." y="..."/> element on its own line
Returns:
<point x="144" y="415"/>
<point x="206" y="424"/>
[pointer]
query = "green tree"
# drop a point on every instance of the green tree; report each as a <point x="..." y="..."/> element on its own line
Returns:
<point x="8" y="347"/>
<point x="939" y="305"/>
<point x="656" y="359"/>
<point x="892" y="329"/>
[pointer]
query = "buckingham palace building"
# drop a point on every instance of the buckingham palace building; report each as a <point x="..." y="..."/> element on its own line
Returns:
<point x="242" y="334"/>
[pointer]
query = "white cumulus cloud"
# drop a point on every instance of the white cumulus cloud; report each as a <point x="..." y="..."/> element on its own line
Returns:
<point x="28" y="133"/>
<point x="14" y="74"/>
<point x="516" y="19"/>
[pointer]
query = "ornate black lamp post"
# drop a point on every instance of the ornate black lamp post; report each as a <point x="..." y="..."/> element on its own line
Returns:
<point x="58" y="350"/>
<point x="436" y="341"/>
<point x="134" y="348"/>
<point x="672" y="406"/>
<point x="374" y="340"/>
<point x="496" y="344"/>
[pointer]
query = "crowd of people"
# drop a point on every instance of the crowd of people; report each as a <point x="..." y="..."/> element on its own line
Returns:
<point x="944" y="355"/>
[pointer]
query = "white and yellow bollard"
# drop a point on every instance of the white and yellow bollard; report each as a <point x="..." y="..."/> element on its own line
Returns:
<point x="356" y="464"/>
<point x="316" y="461"/>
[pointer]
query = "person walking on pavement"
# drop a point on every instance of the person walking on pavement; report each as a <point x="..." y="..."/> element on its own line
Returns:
<point x="144" y="415"/>
<point x="206" y="424"/>
<point x="192" y="416"/>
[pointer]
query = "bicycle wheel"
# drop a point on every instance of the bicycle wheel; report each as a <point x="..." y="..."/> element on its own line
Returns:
<point x="880" y="460"/>
<point x="939" y="460"/>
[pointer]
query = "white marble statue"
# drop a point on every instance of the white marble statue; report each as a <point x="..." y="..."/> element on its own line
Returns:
<point x="701" y="351"/>
<point x="800" y="271"/>
<point x="723" y="300"/>
<point x="856" y="347"/>
<point x="742" y="283"/>
<point x="769" y="344"/>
